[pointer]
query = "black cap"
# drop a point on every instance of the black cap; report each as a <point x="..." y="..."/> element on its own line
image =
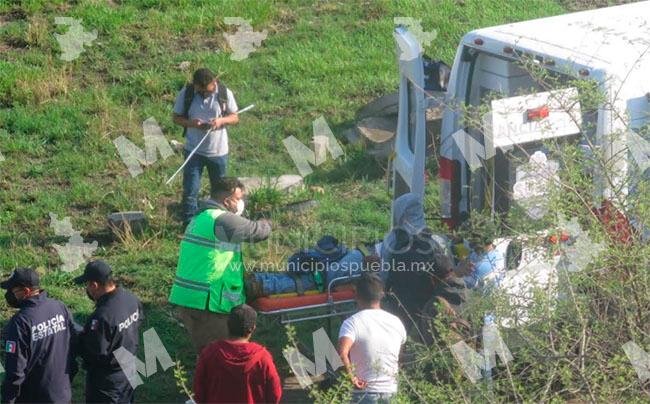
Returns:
<point x="96" y="271"/>
<point x="26" y="277"/>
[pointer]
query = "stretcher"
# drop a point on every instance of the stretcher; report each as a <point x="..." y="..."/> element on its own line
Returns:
<point x="337" y="301"/>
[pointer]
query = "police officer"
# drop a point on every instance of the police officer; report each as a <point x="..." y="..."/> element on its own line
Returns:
<point x="114" y="324"/>
<point x="38" y="343"/>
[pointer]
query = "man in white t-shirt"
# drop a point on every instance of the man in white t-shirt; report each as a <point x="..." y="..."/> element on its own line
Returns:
<point x="369" y="344"/>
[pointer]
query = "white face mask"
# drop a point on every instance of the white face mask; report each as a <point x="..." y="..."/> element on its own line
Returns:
<point x="240" y="207"/>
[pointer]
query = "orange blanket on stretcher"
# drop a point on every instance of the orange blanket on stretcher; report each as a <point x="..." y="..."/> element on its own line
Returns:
<point x="271" y="303"/>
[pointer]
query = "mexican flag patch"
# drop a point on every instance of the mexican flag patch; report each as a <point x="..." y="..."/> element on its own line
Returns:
<point x="10" y="347"/>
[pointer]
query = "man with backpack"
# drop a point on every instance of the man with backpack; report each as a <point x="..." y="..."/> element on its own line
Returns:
<point x="204" y="107"/>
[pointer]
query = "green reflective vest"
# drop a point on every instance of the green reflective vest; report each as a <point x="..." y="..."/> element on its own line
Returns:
<point x="210" y="272"/>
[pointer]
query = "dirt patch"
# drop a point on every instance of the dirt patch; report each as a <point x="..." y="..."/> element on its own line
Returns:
<point x="13" y="15"/>
<point x="10" y="43"/>
<point x="103" y="236"/>
<point x="196" y="43"/>
<point x="16" y="43"/>
<point x="284" y="22"/>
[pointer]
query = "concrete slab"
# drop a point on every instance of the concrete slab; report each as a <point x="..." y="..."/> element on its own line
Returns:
<point x="377" y="129"/>
<point x="378" y="135"/>
<point x="135" y="220"/>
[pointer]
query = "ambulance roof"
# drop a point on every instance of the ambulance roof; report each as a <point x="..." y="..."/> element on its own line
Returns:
<point x="613" y="39"/>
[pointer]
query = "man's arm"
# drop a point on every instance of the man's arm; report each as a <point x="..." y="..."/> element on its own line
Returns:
<point x="464" y="268"/>
<point x="187" y="123"/>
<point x="17" y="350"/>
<point x="236" y="229"/>
<point x="232" y="118"/>
<point x="180" y="119"/>
<point x="345" y="344"/>
<point x="95" y="343"/>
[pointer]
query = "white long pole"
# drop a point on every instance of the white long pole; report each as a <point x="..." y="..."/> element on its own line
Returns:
<point x="199" y="145"/>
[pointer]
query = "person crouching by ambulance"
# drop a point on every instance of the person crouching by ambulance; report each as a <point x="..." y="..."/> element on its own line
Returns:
<point x="209" y="278"/>
<point x="38" y="344"/>
<point x="114" y="324"/>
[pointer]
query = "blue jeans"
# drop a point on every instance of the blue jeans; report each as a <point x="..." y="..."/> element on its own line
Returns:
<point x="217" y="167"/>
<point x="362" y="397"/>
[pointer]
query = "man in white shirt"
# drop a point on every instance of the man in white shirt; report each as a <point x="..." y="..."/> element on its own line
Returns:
<point x="200" y="111"/>
<point x="370" y="343"/>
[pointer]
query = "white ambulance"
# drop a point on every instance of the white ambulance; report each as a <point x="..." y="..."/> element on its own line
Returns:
<point x="480" y="165"/>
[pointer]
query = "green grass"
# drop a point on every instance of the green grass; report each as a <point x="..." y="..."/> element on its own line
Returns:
<point x="58" y="120"/>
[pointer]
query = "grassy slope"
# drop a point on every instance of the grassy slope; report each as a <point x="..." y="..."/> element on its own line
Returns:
<point x="58" y="120"/>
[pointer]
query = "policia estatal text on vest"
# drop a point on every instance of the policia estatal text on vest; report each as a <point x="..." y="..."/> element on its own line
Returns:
<point x="209" y="278"/>
<point x="38" y="343"/>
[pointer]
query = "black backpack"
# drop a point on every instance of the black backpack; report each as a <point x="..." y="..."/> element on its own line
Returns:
<point x="222" y="98"/>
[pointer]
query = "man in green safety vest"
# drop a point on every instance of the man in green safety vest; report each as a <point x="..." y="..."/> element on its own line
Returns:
<point x="209" y="278"/>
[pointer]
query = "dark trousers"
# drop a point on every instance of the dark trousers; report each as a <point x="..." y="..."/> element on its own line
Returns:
<point x="108" y="387"/>
<point x="217" y="167"/>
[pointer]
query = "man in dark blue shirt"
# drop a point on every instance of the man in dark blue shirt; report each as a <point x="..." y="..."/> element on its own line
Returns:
<point x="38" y="343"/>
<point x="114" y="323"/>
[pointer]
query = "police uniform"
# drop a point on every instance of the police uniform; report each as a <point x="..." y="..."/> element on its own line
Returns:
<point x="38" y="348"/>
<point x="115" y="323"/>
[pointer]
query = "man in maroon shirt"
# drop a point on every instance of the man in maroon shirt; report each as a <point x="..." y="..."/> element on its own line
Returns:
<point x="236" y="370"/>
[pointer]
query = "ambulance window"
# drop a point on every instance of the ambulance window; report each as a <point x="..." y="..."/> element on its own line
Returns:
<point x="412" y="108"/>
<point x="496" y="78"/>
<point x="638" y="153"/>
<point x="589" y="104"/>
